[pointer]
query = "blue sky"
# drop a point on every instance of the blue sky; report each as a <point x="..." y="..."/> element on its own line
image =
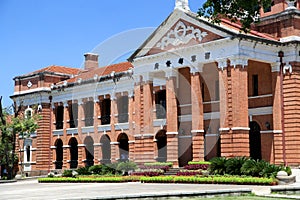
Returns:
<point x="38" y="33"/>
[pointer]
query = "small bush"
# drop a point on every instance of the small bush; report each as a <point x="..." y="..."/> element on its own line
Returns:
<point x="96" y="169"/>
<point x="234" y="165"/>
<point x="217" y="165"/>
<point x="288" y="170"/>
<point x="83" y="171"/>
<point x="127" y="166"/>
<point x="67" y="173"/>
<point x="251" y="168"/>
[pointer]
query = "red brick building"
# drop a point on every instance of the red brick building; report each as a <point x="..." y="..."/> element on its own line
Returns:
<point x="193" y="91"/>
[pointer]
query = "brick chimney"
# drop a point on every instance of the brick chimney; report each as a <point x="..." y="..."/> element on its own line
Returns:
<point x="91" y="61"/>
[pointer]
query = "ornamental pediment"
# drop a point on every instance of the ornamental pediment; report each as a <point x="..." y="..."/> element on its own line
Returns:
<point x="180" y="35"/>
<point x="183" y="34"/>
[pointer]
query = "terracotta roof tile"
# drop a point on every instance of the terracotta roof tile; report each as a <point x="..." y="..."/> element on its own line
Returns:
<point x="237" y="27"/>
<point x="119" y="67"/>
<point x="57" y="69"/>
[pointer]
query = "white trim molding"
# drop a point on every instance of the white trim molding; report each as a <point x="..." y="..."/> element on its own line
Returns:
<point x="240" y="128"/>
<point x="212" y="135"/>
<point x="172" y="133"/>
<point x="238" y="60"/>
<point x="261" y="111"/>
<point x="197" y="131"/>
<point x="277" y="131"/>
<point x="271" y="131"/>
<point x="185" y="136"/>
<point x="224" y="129"/>
<point x="115" y="143"/>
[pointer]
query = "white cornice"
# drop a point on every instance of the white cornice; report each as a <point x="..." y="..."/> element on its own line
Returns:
<point x="40" y="89"/>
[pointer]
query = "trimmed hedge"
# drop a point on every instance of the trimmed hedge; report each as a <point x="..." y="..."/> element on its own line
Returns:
<point x="166" y="179"/>
<point x="210" y="180"/>
<point x="199" y="163"/>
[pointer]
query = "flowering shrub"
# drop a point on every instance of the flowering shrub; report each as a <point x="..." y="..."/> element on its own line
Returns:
<point x="196" y="167"/>
<point x="148" y="172"/>
<point x="159" y="164"/>
<point x="189" y="172"/>
<point x="161" y="167"/>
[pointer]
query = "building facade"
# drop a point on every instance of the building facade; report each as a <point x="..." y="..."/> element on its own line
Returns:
<point x="192" y="91"/>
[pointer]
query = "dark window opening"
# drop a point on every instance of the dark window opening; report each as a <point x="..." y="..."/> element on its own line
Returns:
<point x="202" y="91"/>
<point x="255" y="85"/>
<point x="89" y="113"/>
<point x="73" y="114"/>
<point x="89" y="151"/>
<point x="161" y="141"/>
<point x="59" y="117"/>
<point x="161" y="104"/>
<point x="217" y="90"/>
<point x="28" y="153"/>
<point x="74" y="153"/>
<point x="123" y="109"/>
<point x="123" y="147"/>
<point x="59" y="154"/>
<point x="105" y="111"/>
<point x="106" y="149"/>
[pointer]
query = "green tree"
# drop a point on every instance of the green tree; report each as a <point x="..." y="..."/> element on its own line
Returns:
<point x="245" y="11"/>
<point x="12" y="123"/>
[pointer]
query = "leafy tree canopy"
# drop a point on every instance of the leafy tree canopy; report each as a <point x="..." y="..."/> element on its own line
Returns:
<point x="245" y="11"/>
<point x="10" y="126"/>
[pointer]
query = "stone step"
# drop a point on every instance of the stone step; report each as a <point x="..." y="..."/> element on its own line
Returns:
<point x="172" y="171"/>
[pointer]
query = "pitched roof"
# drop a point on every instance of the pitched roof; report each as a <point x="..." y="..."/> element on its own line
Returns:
<point x="55" y="69"/>
<point x="102" y="71"/>
<point x="237" y="27"/>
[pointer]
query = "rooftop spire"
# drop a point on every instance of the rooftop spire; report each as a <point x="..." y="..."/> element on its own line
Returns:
<point x="182" y="5"/>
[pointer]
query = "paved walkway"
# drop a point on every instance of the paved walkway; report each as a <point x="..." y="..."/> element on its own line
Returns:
<point x="31" y="189"/>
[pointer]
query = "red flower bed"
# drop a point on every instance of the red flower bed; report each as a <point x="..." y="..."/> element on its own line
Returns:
<point x="196" y="167"/>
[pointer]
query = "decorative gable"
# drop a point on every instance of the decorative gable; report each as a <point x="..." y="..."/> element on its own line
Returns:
<point x="183" y="34"/>
<point x="180" y="35"/>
